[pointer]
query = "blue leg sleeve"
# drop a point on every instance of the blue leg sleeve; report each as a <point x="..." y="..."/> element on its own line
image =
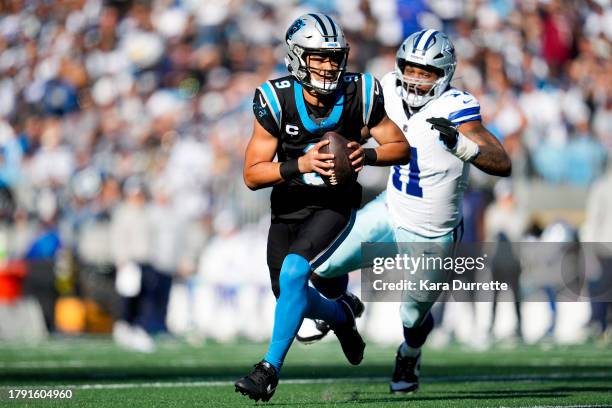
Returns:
<point x="290" y="307"/>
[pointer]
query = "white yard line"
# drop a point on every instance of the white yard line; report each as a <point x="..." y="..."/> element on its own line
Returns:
<point x="301" y="381"/>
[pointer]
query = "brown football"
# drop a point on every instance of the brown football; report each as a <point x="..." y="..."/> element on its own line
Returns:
<point x="343" y="171"/>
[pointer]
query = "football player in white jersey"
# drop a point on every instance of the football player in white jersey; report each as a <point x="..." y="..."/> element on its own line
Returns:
<point x="423" y="199"/>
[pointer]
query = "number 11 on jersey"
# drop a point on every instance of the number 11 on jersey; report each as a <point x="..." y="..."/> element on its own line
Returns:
<point x="412" y="187"/>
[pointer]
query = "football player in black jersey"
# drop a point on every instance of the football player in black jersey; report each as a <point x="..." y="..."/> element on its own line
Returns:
<point x="309" y="218"/>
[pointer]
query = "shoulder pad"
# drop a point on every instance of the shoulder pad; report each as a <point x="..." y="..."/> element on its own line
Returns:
<point x="461" y="106"/>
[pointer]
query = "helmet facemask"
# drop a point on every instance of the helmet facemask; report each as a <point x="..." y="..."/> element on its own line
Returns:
<point x="411" y="87"/>
<point x="324" y="73"/>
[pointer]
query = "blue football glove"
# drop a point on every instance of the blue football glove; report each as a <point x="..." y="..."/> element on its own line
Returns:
<point x="448" y="131"/>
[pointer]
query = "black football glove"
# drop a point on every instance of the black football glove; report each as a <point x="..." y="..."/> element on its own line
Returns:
<point x="448" y="131"/>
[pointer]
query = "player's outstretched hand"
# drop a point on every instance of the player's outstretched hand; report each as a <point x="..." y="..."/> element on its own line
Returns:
<point x="312" y="160"/>
<point x="357" y="157"/>
<point x="448" y="131"/>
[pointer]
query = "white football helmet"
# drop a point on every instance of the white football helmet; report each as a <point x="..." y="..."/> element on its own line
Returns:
<point x="427" y="49"/>
<point x="316" y="34"/>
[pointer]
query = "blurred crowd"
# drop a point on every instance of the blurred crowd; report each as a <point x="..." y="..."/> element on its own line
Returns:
<point x="123" y="123"/>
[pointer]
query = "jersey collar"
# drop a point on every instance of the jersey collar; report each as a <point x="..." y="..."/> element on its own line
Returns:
<point x="325" y="124"/>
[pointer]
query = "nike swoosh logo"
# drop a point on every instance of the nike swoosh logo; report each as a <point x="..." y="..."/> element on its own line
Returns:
<point x="468" y="101"/>
<point x="262" y="102"/>
<point x="270" y="390"/>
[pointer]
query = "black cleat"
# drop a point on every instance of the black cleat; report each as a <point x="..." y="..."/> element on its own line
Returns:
<point x="354" y="302"/>
<point x="323" y="327"/>
<point x="406" y="374"/>
<point x="260" y="384"/>
<point x="350" y="339"/>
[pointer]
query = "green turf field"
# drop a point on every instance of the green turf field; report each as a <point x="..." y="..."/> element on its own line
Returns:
<point x="180" y="375"/>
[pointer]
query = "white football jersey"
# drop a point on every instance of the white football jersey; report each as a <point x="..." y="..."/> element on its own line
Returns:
<point x="425" y="196"/>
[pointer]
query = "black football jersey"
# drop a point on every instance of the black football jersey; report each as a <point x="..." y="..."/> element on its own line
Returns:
<point x="280" y="108"/>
